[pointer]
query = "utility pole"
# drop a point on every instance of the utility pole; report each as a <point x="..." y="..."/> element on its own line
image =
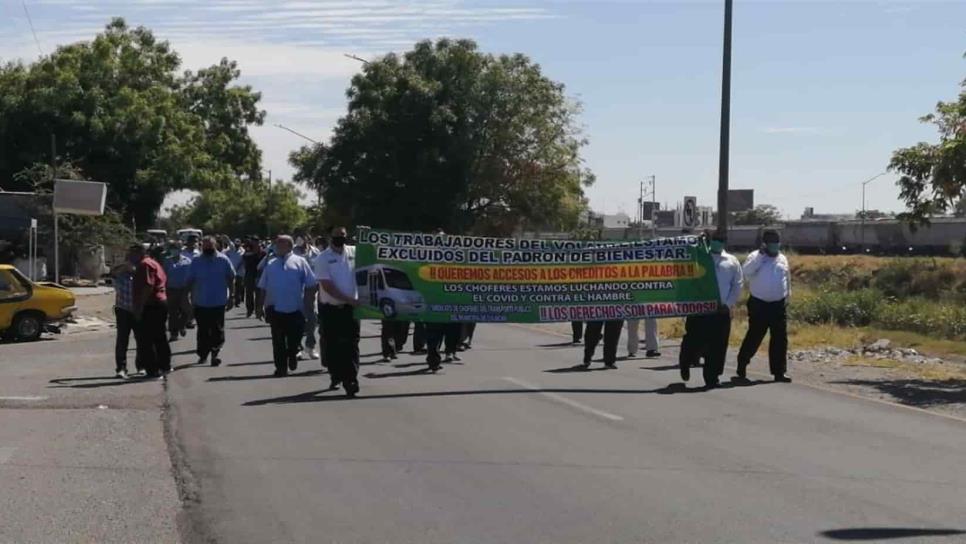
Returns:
<point x="725" y="124"/>
<point x="268" y="216"/>
<point x="653" y="206"/>
<point x="640" y="213"/>
<point x="652" y="181"/>
<point x="53" y="176"/>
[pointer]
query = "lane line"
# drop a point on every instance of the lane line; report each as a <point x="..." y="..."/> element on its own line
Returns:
<point x="814" y="386"/>
<point x="564" y="400"/>
<point x="6" y="454"/>
<point x="23" y="398"/>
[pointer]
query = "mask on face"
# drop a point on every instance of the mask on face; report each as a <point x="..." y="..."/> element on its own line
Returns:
<point x="773" y="247"/>
<point x="338" y="241"/>
<point x="717" y="246"/>
<point x="209" y="251"/>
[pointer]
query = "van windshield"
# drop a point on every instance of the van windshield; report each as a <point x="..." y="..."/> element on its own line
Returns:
<point x="397" y="279"/>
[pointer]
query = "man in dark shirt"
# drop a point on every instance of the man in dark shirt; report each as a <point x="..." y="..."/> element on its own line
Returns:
<point x="151" y="312"/>
<point x="253" y="255"/>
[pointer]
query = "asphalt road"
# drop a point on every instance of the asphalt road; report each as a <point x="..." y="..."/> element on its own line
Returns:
<point x="512" y="445"/>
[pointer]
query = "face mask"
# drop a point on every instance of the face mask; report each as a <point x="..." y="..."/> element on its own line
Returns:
<point x="299" y="242"/>
<point x="338" y="241"/>
<point x="773" y="247"/>
<point x="717" y="246"/>
<point x="209" y="252"/>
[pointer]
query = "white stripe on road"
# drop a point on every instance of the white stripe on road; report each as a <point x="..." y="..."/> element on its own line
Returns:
<point x="564" y="400"/>
<point x="23" y="398"/>
<point x="6" y="454"/>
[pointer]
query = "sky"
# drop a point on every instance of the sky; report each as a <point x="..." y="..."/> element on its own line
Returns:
<point x="822" y="91"/>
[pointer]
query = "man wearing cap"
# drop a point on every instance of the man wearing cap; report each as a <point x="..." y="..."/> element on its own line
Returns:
<point x="176" y="267"/>
<point x="338" y="296"/>
<point x="284" y="279"/>
<point x="769" y="281"/>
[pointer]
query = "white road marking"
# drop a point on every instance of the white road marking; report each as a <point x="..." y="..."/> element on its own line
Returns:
<point x="23" y="398"/>
<point x="564" y="400"/>
<point x="6" y="454"/>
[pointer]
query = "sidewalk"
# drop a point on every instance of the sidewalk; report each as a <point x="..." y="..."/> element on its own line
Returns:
<point x="82" y="454"/>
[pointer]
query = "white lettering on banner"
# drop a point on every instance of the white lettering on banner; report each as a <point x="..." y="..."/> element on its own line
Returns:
<point x="625" y="311"/>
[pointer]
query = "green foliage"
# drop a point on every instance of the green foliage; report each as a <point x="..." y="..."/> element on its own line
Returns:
<point x="933" y="176"/>
<point x="763" y="214"/>
<point x="123" y="115"/>
<point x="446" y="136"/>
<point x="846" y="308"/>
<point x="243" y="208"/>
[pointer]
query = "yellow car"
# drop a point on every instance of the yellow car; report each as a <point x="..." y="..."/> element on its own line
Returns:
<point x="28" y="308"/>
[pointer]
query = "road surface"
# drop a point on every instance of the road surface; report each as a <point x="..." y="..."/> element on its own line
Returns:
<point x="514" y="445"/>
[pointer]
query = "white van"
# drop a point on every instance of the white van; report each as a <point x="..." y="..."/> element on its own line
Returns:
<point x="390" y="290"/>
<point x="184" y="234"/>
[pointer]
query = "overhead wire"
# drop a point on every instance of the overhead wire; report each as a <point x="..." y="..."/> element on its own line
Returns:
<point x="30" y="21"/>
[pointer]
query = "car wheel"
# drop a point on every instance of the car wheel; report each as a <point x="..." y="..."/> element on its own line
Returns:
<point x="27" y="327"/>
<point x="388" y="308"/>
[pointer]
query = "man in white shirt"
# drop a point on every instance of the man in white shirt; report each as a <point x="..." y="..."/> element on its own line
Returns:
<point x="309" y="252"/>
<point x="769" y="282"/>
<point x="235" y="255"/>
<point x="338" y="296"/>
<point x="707" y="335"/>
<point x="283" y="282"/>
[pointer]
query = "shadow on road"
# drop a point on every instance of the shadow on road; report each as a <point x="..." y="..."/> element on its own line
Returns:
<point x="575" y="368"/>
<point x="419" y="372"/>
<point x="559" y="345"/>
<point x="660" y="368"/>
<point x="883" y="533"/>
<point x="314" y="396"/>
<point x="252" y="364"/>
<point x="920" y="393"/>
<point x="101" y="381"/>
<point x="258" y="326"/>
<point x="313" y="372"/>
<point x="259" y="338"/>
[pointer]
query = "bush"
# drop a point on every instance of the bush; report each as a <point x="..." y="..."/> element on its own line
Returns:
<point x="924" y="317"/>
<point x="847" y="308"/>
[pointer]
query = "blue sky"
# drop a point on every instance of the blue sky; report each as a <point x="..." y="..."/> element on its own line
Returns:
<point x="822" y="91"/>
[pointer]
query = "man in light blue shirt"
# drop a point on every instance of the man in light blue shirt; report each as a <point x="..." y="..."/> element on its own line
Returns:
<point x="210" y="277"/>
<point x="176" y="267"/>
<point x="284" y="280"/>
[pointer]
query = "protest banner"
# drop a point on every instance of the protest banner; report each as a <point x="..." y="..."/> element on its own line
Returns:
<point x="448" y="278"/>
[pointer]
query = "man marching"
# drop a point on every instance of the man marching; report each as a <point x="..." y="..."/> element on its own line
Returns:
<point x="284" y="279"/>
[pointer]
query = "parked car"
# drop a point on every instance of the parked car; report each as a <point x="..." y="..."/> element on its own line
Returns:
<point x="29" y="308"/>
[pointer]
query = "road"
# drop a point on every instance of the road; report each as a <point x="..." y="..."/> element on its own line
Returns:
<point x="513" y="445"/>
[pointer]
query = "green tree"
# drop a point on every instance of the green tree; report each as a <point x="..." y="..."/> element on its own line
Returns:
<point x="933" y="176"/>
<point x="446" y="136"/>
<point x="243" y="208"/>
<point x="122" y="114"/>
<point x="763" y="214"/>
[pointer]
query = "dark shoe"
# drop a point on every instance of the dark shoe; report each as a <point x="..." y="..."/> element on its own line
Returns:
<point x="351" y="389"/>
<point x="184" y="332"/>
<point x="652" y="353"/>
<point x="280" y="373"/>
<point x="685" y="372"/>
<point x="393" y="356"/>
<point x="781" y="378"/>
<point x="202" y="359"/>
<point x="741" y="372"/>
<point x="434" y="367"/>
<point x="610" y="365"/>
<point x="293" y="364"/>
<point x="385" y="359"/>
<point x="419" y="351"/>
<point x="215" y="361"/>
<point x="190" y="325"/>
<point x="586" y="365"/>
<point x="740" y="380"/>
<point x="333" y="385"/>
<point x="711" y="384"/>
<point x="121" y="374"/>
<point x="174" y="337"/>
<point x="456" y="357"/>
<point x="448" y="358"/>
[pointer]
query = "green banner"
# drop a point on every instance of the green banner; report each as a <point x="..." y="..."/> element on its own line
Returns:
<point x="445" y="278"/>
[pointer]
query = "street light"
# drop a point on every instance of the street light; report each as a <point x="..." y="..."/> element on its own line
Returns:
<point x="864" y="183"/>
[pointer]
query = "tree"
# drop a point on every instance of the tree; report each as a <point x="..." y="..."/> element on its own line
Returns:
<point x="123" y="115"/>
<point x="933" y="176"/>
<point x="763" y="214"/>
<point x="446" y="136"/>
<point x="243" y="208"/>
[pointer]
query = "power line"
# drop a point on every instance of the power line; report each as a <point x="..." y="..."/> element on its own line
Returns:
<point x="30" y="21"/>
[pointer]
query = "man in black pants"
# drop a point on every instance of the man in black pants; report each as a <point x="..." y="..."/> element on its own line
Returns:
<point x="419" y="337"/>
<point x="150" y="313"/>
<point x="283" y="281"/>
<point x="393" y="337"/>
<point x="123" y="275"/>
<point x="210" y="278"/>
<point x="612" y="335"/>
<point x="767" y="274"/>
<point x="253" y="255"/>
<point x="577" y="330"/>
<point x="707" y="335"/>
<point x="338" y="295"/>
